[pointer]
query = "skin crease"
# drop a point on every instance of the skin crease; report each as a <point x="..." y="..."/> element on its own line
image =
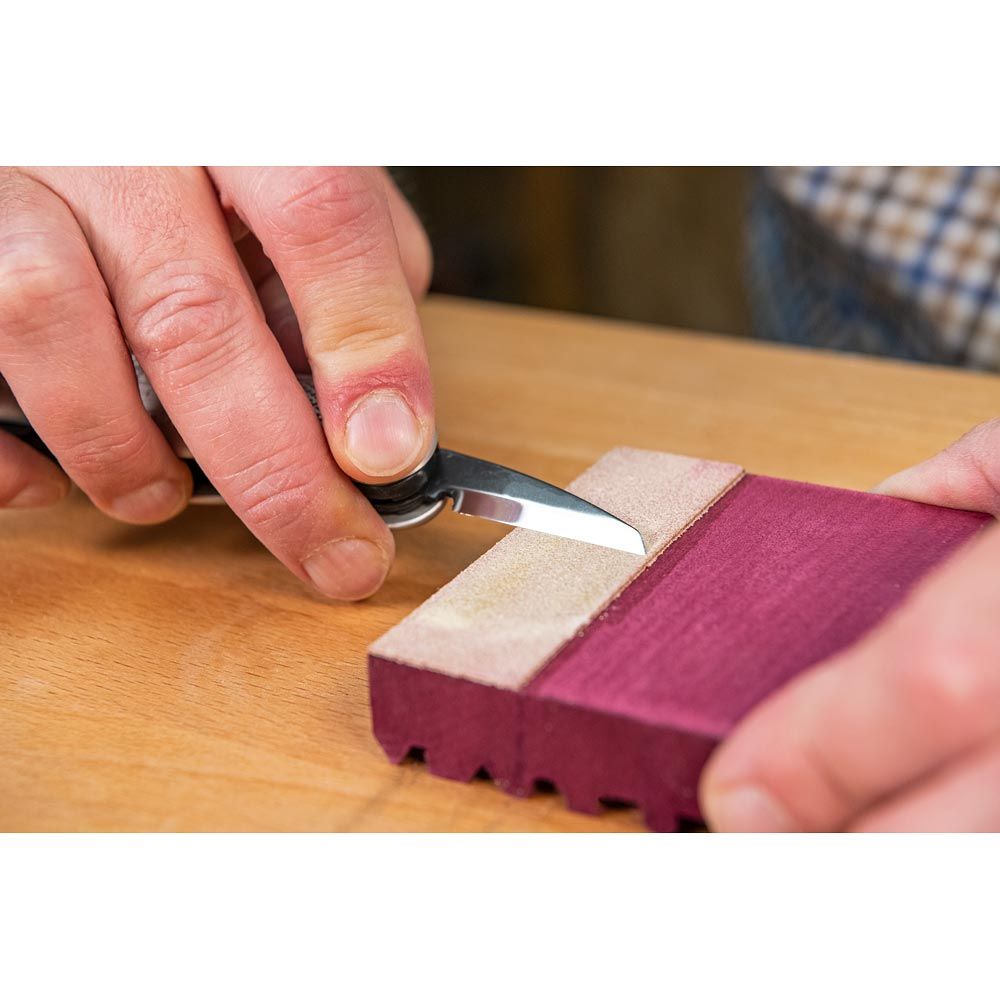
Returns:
<point x="902" y="731"/>
<point x="222" y="282"/>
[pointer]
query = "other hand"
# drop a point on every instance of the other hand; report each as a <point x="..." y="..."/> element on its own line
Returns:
<point x="901" y="731"/>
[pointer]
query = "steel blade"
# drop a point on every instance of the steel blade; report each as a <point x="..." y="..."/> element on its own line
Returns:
<point x="485" y="489"/>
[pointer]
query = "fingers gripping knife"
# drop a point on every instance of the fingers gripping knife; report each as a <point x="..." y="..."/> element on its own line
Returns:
<point x="474" y="486"/>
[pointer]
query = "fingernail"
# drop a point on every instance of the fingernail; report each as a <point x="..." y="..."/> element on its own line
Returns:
<point x="38" y="495"/>
<point x="347" y="569"/>
<point x="383" y="435"/>
<point x="154" y="502"/>
<point x="897" y="481"/>
<point x="747" y="809"/>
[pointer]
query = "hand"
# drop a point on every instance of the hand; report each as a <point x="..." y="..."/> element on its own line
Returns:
<point x="95" y="263"/>
<point x="902" y="731"/>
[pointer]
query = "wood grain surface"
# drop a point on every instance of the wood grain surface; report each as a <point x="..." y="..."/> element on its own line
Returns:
<point x="177" y="678"/>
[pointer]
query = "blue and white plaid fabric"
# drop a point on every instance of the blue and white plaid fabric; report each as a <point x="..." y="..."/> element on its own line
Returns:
<point x="902" y="261"/>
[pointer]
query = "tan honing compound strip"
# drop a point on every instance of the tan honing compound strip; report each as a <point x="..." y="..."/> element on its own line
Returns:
<point x="501" y="619"/>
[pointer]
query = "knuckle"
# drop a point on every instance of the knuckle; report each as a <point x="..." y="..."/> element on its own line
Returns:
<point x="274" y="495"/>
<point x="337" y="209"/>
<point x="37" y="283"/>
<point x="100" y="450"/>
<point x="367" y="334"/>
<point x="950" y="679"/>
<point x="189" y="316"/>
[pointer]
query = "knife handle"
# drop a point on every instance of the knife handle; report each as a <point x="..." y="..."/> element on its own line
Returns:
<point x="401" y="503"/>
<point x="203" y="491"/>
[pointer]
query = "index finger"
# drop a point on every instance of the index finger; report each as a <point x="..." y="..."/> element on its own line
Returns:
<point x="192" y="321"/>
<point x="329" y="233"/>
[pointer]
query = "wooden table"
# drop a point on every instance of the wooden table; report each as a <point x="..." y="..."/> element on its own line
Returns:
<point x="178" y="678"/>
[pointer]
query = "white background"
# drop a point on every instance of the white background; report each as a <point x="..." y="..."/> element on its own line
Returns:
<point x="472" y="917"/>
<point x="479" y="917"/>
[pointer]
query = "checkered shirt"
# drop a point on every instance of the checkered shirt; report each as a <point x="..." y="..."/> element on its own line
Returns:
<point x="890" y="260"/>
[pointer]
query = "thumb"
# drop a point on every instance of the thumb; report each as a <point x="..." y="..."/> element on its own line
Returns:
<point x="966" y="475"/>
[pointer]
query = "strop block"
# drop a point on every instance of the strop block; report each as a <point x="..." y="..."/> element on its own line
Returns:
<point x="613" y="676"/>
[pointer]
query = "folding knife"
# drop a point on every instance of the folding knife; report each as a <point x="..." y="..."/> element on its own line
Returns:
<point x="473" y="485"/>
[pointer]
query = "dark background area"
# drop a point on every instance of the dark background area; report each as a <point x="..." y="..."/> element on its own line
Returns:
<point x="653" y="244"/>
